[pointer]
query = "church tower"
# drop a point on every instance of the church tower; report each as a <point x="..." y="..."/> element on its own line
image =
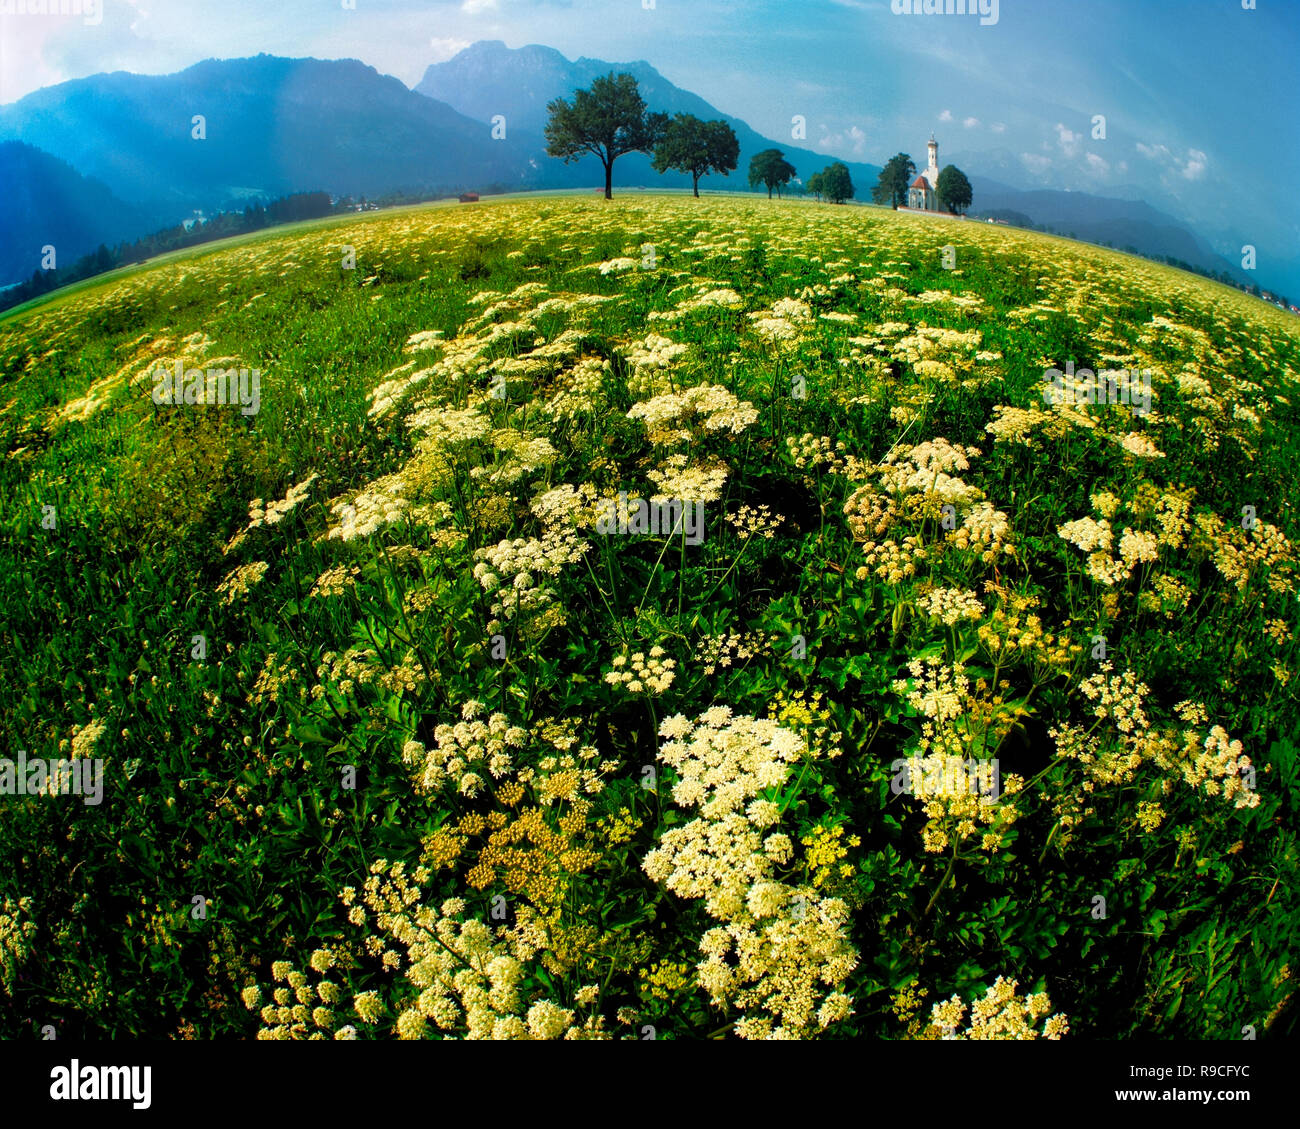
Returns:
<point x="922" y="193"/>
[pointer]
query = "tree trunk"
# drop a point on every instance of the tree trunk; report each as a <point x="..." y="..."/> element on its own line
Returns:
<point x="769" y="192"/>
<point x="609" y="179"/>
<point x="697" y="185"/>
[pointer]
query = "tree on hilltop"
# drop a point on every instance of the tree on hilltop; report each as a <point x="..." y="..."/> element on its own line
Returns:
<point x="697" y="147"/>
<point x="608" y="120"/>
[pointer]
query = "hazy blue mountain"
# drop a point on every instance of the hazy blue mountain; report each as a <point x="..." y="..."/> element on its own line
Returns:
<point x="489" y="78"/>
<point x="274" y="126"/>
<point x="1104" y="219"/>
<point x="48" y="202"/>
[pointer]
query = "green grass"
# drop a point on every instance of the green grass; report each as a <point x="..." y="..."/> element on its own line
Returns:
<point x="227" y="776"/>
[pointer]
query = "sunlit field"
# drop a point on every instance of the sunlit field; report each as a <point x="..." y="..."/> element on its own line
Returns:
<point x="948" y="708"/>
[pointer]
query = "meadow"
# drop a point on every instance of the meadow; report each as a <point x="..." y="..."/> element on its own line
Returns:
<point x="968" y="715"/>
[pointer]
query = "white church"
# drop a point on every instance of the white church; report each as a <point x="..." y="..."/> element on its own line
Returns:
<point x="923" y="193"/>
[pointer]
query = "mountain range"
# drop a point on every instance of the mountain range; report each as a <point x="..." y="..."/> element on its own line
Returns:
<point x="114" y="156"/>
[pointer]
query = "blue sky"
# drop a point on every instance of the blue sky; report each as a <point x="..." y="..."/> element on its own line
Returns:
<point x="1200" y="96"/>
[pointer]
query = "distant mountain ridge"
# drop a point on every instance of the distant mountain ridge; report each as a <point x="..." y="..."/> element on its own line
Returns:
<point x="1104" y="219"/>
<point x="274" y="126"/>
<point x="277" y="126"/>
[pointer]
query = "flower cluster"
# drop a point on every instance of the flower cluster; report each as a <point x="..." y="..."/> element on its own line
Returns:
<point x="649" y="358"/>
<point x="717" y="298"/>
<point x="1001" y="1014"/>
<point x="788" y="944"/>
<point x="274" y="513"/>
<point x="508" y="572"/>
<point x="1241" y="555"/>
<point x="467" y="754"/>
<point x="16" y="935"/>
<point x="335" y="581"/>
<point x="674" y="416"/>
<point x="1014" y="630"/>
<point x="382" y="504"/>
<point x="578" y="391"/>
<point x="277" y="679"/>
<point x="893" y="562"/>
<point x="641" y="674"/>
<point x="723" y="650"/>
<point x="303" y="1010"/>
<point x="826" y="848"/>
<point x="812" y="452"/>
<point x="1166" y="510"/>
<point x="985" y="529"/>
<point x="951" y="605"/>
<point x="807" y="716"/>
<point x="680" y="481"/>
<point x="86" y="737"/>
<point x="1219" y="768"/>
<point x="751" y="521"/>
<point x="870" y="515"/>
<point x="241" y="581"/>
<point x="925" y="470"/>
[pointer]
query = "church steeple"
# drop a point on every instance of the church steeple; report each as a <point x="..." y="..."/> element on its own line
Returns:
<point x="933" y="147"/>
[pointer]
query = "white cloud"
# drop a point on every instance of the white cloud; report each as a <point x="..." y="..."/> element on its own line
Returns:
<point x="1099" y="166"/>
<point x="853" y="140"/>
<point x="1036" y="164"/>
<point x="971" y="123"/>
<point x="999" y="127"/>
<point x="473" y="7"/>
<point x="1068" y="140"/>
<point x="1193" y="168"/>
<point x="445" y="47"/>
<point x="946" y="116"/>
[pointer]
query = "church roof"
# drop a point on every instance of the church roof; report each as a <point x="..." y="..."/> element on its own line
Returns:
<point x="920" y="182"/>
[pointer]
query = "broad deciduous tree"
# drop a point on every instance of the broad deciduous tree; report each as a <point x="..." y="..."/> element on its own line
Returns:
<point x="607" y="121"/>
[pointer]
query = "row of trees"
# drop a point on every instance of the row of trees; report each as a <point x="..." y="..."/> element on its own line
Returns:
<point x="770" y="169"/>
<point x="611" y="119"/>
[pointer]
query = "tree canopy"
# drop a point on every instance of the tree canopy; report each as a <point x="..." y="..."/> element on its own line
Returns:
<point x="953" y="190"/>
<point x="836" y="184"/>
<point x="697" y="147"/>
<point x="770" y="168"/>
<point x="895" y="178"/>
<point x="607" y="121"/>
